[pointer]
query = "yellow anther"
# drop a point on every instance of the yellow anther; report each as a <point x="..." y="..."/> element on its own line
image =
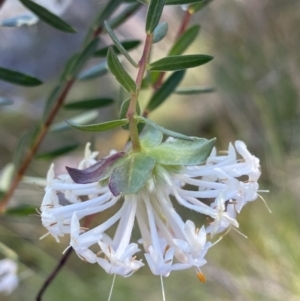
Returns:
<point x="201" y="277"/>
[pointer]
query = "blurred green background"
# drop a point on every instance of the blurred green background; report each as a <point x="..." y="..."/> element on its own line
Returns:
<point x="256" y="74"/>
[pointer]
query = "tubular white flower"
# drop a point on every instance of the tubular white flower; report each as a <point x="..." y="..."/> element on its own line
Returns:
<point x="81" y="243"/>
<point x="119" y="254"/>
<point x="194" y="245"/>
<point x="8" y="276"/>
<point x="89" y="157"/>
<point x="169" y="242"/>
<point x="121" y="263"/>
<point x="222" y="219"/>
<point x="159" y="258"/>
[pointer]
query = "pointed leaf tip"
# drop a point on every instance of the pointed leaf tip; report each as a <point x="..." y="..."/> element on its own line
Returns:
<point x="48" y="17"/>
<point x="119" y="72"/>
<point x="99" y="127"/>
<point x="180" y="62"/>
<point x="119" y="45"/>
<point x="18" y="78"/>
<point x="153" y="15"/>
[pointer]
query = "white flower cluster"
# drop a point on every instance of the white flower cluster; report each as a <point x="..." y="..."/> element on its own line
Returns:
<point x="169" y="242"/>
<point x="8" y="276"/>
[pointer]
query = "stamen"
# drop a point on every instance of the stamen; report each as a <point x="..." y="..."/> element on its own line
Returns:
<point x="84" y="229"/>
<point x="239" y="232"/>
<point x="42" y="237"/>
<point x="37" y="215"/>
<point x="162" y="288"/>
<point x="201" y="277"/>
<point x="223" y="152"/>
<point x="111" y="288"/>
<point x="166" y="249"/>
<point x="222" y="180"/>
<point x="66" y="249"/>
<point x="221" y="237"/>
<point x="264" y="200"/>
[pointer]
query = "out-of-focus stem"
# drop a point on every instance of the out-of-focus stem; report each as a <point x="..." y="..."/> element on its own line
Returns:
<point x="60" y="264"/>
<point x="184" y="24"/>
<point x="1" y="3"/>
<point x="40" y="135"/>
<point x="134" y="135"/>
<point x="37" y="141"/>
<point x="52" y="276"/>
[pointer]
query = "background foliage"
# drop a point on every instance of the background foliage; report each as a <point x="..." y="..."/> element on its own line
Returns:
<point x="256" y="75"/>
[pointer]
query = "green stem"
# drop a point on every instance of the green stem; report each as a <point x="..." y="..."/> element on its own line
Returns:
<point x="133" y="130"/>
<point x="183" y="26"/>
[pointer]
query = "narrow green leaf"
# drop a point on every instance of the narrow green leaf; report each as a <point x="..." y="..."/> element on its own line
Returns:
<point x="160" y="32"/>
<point x="99" y="127"/>
<point x="21" y="210"/>
<point x="67" y="73"/>
<point x="52" y="99"/>
<point x="153" y="77"/>
<point x="48" y="17"/>
<point x="180" y="62"/>
<point x="165" y="90"/>
<point x="146" y="81"/>
<point x="181" y="2"/>
<point x="89" y="104"/>
<point x="83" y="56"/>
<point x="5" y="101"/>
<point x="194" y="90"/>
<point x="125" y="14"/>
<point x="119" y="72"/>
<point x="82" y="118"/>
<point x="180" y="152"/>
<point x="198" y="6"/>
<point x="21" y="148"/>
<point x="163" y="130"/>
<point x="154" y="12"/>
<point x="185" y="40"/>
<point x="124" y="109"/>
<point x="57" y="152"/>
<point x="174" y="2"/>
<point x="18" y="78"/>
<point x="94" y="72"/>
<point x="150" y="137"/>
<point x="128" y="45"/>
<point x="132" y="175"/>
<point x="119" y="45"/>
